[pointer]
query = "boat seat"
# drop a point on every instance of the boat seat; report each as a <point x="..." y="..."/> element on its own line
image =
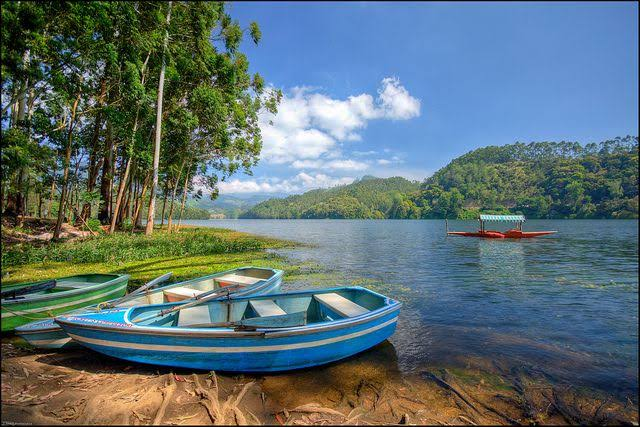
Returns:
<point x="193" y="316"/>
<point x="236" y="279"/>
<point x="341" y="305"/>
<point x="74" y="285"/>
<point x="266" y="308"/>
<point x="180" y="293"/>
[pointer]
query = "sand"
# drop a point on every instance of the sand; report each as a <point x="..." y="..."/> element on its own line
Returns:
<point x="78" y="386"/>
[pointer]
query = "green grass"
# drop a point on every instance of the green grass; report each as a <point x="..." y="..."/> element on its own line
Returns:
<point x="190" y="253"/>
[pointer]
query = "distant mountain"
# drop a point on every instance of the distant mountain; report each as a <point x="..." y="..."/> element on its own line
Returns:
<point x="539" y="180"/>
<point x="368" y="197"/>
<point x="231" y="205"/>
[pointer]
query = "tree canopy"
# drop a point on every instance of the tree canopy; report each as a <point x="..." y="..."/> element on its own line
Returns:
<point x="88" y="89"/>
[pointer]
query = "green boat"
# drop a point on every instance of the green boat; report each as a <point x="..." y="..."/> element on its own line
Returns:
<point x="25" y="302"/>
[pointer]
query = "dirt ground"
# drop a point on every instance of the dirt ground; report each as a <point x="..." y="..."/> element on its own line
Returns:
<point x="38" y="231"/>
<point x="77" y="386"/>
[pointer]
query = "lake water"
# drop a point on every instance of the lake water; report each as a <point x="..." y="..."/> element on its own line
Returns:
<point x="564" y="306"/>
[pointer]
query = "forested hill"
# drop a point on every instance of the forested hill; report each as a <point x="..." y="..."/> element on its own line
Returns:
<point x="540" y="180"/>
<point x="368" y="197"/>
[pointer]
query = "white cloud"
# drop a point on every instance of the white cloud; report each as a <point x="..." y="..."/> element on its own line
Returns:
<point x="283" y="146"/>
<point x="300" y="183"/>
<point x="309" y="131"/>
<point x="310" y="125"/>
<point x="334" y="165"/>
<point x="364" y="153"/>
<point x="307" y="164"/>
<point x="351" y="165"/>
<point x="396" y="101"/>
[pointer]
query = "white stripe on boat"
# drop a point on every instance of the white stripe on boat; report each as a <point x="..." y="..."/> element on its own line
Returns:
<point x="240" y="349"/>
<point x="66" y="304"/>
<point x="61" y="341"/>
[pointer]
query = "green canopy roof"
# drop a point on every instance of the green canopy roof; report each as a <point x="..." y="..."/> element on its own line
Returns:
<point x="511" y="218"/>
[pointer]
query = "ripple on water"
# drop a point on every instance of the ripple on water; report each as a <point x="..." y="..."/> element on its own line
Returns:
<point x="566" y="305"/>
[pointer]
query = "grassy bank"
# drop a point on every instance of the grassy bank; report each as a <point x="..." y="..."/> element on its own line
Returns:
<point x="189" y="253"/>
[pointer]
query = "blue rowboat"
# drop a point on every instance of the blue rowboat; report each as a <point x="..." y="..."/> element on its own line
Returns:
<point x="240" y="281"/>
<point x="247" y="334"/>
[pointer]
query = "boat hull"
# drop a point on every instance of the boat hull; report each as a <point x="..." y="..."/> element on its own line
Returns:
<point x="48" y="334"/>
<point x="268" y="350"/>
<point x="18" y="313"/>
<point x="510" y="234"/>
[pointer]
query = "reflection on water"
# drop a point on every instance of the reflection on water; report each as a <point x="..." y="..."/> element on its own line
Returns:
<point x="501" y="261"/>
<point x="564" y="305"/>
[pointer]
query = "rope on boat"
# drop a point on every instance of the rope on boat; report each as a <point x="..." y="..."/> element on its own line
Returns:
<point x="15" y="313"/>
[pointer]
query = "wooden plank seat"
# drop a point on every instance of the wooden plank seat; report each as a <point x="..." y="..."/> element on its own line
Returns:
<point x="180" y="293"/>
<point x="266" y="308"/>
<point x="236" y="279"/>
<point x="194" y="316"/>
<point x="74" y="285"/>
<point x="341" y="305"/>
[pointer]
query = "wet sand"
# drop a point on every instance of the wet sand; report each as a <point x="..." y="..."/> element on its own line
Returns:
<point x="78" y="386"/>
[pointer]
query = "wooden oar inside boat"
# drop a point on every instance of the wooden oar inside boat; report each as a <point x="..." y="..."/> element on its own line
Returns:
<point x="146" y="286"/>
<point x="207" y="296"/>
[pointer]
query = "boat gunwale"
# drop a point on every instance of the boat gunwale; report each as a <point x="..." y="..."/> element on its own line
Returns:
<point x="276" y="274"/>
<point x="390" y="306"/>
<point x="72" y="292"/>
<point x="256" y="287"/>
<point x="39" y="331"/>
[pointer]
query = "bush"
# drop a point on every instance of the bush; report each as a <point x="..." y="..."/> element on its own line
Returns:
<point x="124" y="247"/>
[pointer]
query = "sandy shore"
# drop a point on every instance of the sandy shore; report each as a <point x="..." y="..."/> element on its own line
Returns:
<point x="77" y="386"/>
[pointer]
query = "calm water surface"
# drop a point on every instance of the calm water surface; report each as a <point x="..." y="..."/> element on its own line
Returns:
<point x="565" y="306"/>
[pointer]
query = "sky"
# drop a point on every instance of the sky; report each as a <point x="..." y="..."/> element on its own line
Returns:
<point x="401" y="89"/>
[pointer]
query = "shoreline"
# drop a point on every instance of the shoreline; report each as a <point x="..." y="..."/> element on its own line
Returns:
<point x="42" y="386"/>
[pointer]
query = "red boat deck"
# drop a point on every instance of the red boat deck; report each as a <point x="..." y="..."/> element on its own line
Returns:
<point x="514" y="233"/>
<point x="509" y="234"/>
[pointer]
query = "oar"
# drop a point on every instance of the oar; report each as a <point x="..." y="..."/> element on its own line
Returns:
<point x="202" y="298"/>
<point x="270" y="322"/>
<point x="152" y="283"/>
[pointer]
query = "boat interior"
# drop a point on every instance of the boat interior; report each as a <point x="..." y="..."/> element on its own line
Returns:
<point x="57" y="285"/>
<point x="241" y="277"/>
<point x="266" y="311"/>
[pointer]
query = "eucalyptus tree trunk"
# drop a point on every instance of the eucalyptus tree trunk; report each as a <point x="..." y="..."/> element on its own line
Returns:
<point x="65" y="174"/>
<point x="94" y="163"/>
<point x="184" y="196"/>
<point x="164" y="202"/>
<point x="123" y="179"/>
<point x="16" y="200"/>
<point x="137" y="218"/>
<point x="53" y="191"/>
<point x="156" y="152"/>
<point x="123" y="182"/>
<point x="107" y="176"/>
<point x="173" y="196"/>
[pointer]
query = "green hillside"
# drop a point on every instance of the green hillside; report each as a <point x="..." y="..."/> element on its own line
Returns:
<point x="540" y="180"/>
<point x="368" y="197"/>
<point x="230" y="206"/>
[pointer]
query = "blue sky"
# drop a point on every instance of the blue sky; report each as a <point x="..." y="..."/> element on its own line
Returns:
<point x="390" y="89"/>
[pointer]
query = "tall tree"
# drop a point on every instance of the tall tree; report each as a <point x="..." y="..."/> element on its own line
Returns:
<point x="156" y="146"/>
